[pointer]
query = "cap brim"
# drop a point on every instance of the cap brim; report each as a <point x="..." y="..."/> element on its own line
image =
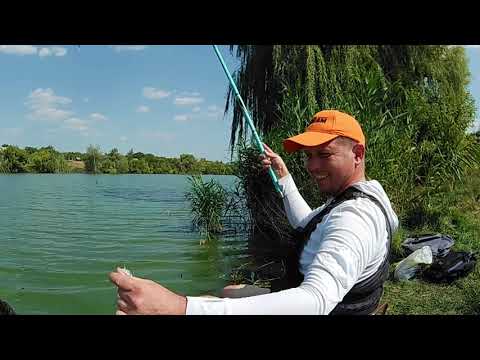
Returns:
<point x="307" y="139"/>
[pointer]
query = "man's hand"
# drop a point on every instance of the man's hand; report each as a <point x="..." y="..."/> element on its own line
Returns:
<point x="271" y="159"/>
<point x="138" y="296"/>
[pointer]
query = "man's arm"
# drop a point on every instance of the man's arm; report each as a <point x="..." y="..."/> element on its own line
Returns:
<point x="341" y="257"/>
<point x="142" y="296"/>
<point x="298" y="211"/>
<point x="295" y="205"/>
<point x="342" y="248"/>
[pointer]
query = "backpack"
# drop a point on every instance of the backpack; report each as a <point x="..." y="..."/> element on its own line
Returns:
<point x="5" y="308"/>
<point x="440" y="244"/>
<point x="450" y="267"/>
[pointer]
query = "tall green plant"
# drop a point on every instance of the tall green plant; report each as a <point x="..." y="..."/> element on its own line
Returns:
<point x="207" y="200"/>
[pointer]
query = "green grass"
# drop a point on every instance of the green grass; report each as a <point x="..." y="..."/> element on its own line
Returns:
<point x="456" y="213"/>
<point x="421" y="298"/>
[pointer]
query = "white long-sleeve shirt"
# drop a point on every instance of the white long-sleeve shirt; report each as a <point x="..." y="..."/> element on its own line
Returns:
<point x="348" y="246"/>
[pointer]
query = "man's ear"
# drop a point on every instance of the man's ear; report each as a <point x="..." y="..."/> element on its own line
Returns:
<point x="359" y="152"/>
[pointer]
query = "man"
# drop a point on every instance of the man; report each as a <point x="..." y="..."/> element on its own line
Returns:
<point x="343" y="261"/>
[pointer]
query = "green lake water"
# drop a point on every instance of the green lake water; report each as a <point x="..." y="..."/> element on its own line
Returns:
<point x="60" y="236"/>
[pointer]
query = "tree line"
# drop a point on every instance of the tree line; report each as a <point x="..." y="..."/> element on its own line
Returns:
<point x="14" y="159"/>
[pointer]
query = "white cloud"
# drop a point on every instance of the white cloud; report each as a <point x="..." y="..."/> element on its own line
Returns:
<point x="45" y="105"/>
<point x="472" y="46"/>
<point x="186" y="100"/>
<point x="50" y="114"/>
<point x="18" y="49"/>
<point x="154" y="94"/>
<point x="123" y="138"/>
<point x="44" y="52"/>
<point x="98" y="117"/>
<point x="119" y="48"/>
<point x="46" y="97"/>
<point x="59" y="51"/>
<point x="52" y="51"/>
<point x="182" y="118"/>
<point x="196" y="109"/>
<point x="76" y="124"/>
<point x="33" y="50"/>
<point x="143" y="109"/>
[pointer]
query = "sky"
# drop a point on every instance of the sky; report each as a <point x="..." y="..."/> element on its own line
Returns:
<point x="164" y="100"/>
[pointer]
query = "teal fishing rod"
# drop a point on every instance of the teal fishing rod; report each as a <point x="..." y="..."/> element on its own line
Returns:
<point x="247" y="116"/>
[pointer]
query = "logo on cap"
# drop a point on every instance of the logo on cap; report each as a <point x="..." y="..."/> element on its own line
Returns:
<point x="322" y="120"/>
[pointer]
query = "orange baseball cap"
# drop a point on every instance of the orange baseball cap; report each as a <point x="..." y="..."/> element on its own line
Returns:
<point x="326" y="125"/>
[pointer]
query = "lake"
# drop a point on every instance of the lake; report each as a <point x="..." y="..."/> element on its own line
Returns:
<point x="60" y="236"/>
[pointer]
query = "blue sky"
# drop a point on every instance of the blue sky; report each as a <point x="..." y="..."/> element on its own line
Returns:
<point x="165" y="100"/>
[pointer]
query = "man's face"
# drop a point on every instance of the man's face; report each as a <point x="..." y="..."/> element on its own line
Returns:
<point x="331" y="165"/>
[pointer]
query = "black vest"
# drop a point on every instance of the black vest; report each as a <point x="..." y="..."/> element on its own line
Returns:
<point x="364" y="297"/>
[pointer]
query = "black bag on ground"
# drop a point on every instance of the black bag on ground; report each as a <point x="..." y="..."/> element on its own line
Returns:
<point x="5" y="308"/>
<point x="450" y="267"/>
<point x="439" y="243"/>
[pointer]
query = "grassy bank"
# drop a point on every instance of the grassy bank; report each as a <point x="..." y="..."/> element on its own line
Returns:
<point x="456" y="213"/>
<point x="76" y="166"/>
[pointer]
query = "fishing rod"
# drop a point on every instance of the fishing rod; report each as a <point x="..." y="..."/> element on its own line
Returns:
<point x="249" y="119"/>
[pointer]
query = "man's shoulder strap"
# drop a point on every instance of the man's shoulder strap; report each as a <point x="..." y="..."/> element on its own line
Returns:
<point x="349" y="194"/>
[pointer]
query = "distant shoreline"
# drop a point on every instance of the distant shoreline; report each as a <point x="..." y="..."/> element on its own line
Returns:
<point x="92" y="174"/>
<point x="14" y="159"/>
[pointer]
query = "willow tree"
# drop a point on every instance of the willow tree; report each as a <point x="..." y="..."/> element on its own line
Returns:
<point x="412" y="102"/>
<point x="325" y="73"/>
